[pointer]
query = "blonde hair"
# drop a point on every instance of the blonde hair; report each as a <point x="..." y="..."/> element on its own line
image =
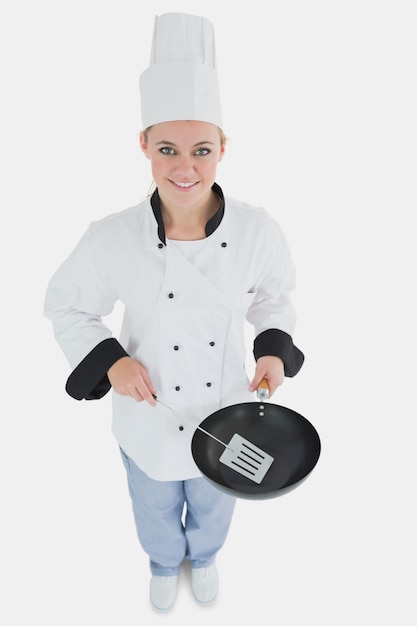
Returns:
<point x="223" y="138"/>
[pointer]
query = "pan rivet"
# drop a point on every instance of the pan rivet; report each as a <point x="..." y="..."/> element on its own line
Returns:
<point x="181" y="428"/>
<point x="261" y="406"/>
<point x="261" y="413"/>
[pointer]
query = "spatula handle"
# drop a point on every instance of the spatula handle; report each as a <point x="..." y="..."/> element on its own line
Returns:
<point x="263" y="390"/>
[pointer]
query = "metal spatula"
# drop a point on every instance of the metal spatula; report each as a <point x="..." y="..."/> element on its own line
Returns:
<point x="240" y="455"/>
<point x="246" y="458"/>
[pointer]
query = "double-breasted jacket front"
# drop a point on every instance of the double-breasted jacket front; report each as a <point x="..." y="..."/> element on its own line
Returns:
<point x="185" y="305"/>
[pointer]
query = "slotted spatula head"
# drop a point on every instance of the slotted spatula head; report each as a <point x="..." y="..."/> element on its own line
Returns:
<point x="247" y="459"/>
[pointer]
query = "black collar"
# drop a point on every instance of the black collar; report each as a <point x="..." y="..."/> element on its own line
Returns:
<point x="211" y="225"/>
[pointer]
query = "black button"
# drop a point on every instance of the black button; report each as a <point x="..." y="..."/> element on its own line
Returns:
<point x="176" y="347"/>
<point x="160" y="246"/>
<point x="177" y="388"/>
<point x="212" y="343"/>
<point x="170" y="295"/>
<point x="181" y="428"/>
<point x="224" y="244"/>
<point x="208" y="384"/>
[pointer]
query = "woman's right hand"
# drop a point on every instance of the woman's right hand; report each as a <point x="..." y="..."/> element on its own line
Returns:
<point x="129" y="378"/>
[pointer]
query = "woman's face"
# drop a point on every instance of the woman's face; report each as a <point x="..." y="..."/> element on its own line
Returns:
<point x="184" y="157"/>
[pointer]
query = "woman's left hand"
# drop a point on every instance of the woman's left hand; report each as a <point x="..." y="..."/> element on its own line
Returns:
<point x="272" y="369"/>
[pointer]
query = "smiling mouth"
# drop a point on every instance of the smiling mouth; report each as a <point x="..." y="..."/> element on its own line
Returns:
<point x="184" y="185"/>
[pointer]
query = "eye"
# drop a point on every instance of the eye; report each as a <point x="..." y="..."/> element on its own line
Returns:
<point x="167" y="150"/>
<point x="202" y="151"/>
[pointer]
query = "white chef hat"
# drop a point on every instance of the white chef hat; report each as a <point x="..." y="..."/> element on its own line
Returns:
<point x="181" y="82"/>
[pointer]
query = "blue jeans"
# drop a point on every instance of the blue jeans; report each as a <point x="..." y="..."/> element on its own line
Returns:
<point x="178" y="519"/>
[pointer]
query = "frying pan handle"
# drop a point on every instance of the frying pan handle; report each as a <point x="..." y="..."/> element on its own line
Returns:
<point x="262" y="391"/>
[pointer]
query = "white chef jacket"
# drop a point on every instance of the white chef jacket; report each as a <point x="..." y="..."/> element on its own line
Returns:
<point x="185" y="306"/>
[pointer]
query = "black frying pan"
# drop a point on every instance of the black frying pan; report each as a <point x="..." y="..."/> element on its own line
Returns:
<point x="281" y="432"/>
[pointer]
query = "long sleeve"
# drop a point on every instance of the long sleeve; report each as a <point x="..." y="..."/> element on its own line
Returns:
<point x="271" y="312"/>
<point x="75" y="302"/>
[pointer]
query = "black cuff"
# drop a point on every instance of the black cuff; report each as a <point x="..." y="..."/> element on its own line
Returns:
<point x="89" y="380"/>
<point x="274" y="342"/>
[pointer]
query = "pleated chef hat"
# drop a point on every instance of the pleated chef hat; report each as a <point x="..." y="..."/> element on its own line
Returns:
<point x="181" y="82"/>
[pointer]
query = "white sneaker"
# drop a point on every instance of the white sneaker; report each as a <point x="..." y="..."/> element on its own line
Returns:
<point x="205" y="583"/>
<point x="163" y="591"/>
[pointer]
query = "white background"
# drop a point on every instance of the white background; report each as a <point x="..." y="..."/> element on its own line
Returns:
<point x="319" y="102"/>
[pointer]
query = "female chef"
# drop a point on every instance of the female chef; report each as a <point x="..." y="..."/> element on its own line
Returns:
<point x="189" y="265"/>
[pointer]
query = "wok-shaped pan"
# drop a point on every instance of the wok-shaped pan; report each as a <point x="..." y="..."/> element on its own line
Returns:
<point x="287" y="436"/>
